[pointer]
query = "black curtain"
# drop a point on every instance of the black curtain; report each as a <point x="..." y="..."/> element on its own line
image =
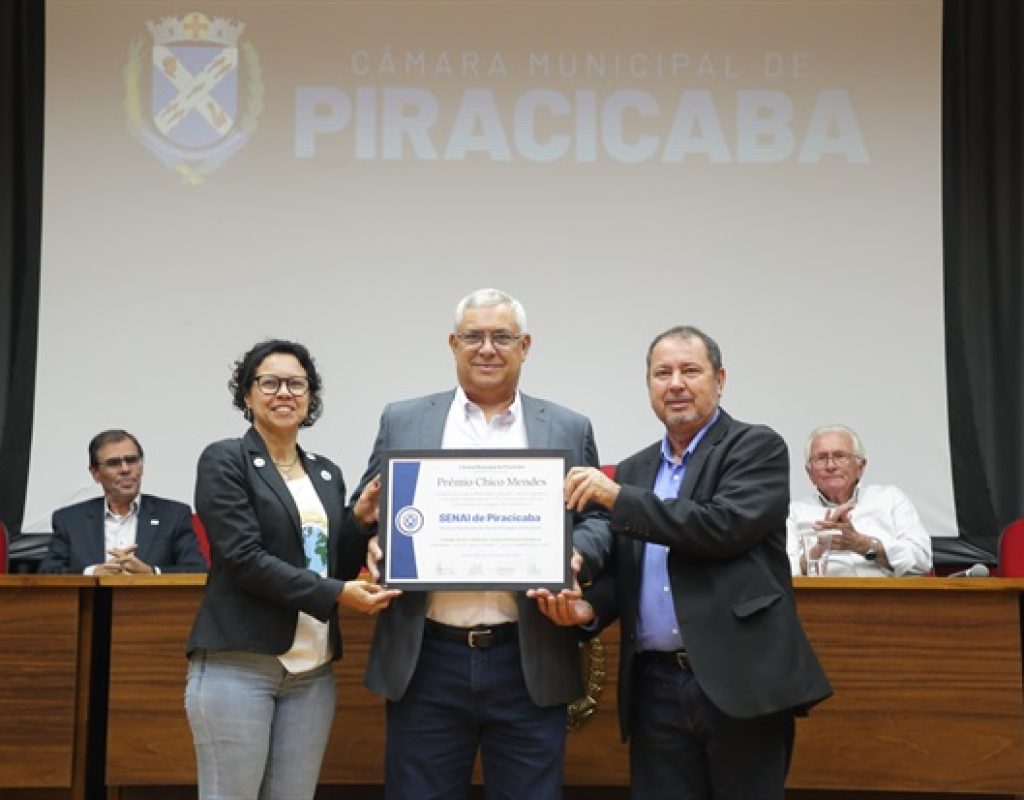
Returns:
<point x="22" y="37"/>
<point x="983" y="77"/>
<point x="983" y="183"/>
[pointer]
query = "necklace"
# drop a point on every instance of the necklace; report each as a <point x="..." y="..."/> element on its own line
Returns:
<point x="287" y="466"/>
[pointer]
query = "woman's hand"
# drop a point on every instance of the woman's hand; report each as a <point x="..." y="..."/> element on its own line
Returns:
<point x="366" y="597"/>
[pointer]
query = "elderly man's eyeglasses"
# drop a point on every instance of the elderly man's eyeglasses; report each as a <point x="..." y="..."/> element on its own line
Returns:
<point x="271" y="384"/>
<point x="118" y="461"/>
<point x="839" y="459"/>
<point x="502" y="340"/>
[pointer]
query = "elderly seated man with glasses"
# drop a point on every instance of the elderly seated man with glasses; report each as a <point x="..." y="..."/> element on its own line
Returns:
<point x="122" y="532"/>
<point x="874" y="531"/>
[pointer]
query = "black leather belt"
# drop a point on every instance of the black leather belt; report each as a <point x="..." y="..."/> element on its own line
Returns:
<point x="675" y="658"/>
<point x="482" y="636"/>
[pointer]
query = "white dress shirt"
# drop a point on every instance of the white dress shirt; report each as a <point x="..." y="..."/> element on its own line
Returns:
<point x="467" y="428"/>
<point x="119" y="531"/>
<point x="883" y="512"/>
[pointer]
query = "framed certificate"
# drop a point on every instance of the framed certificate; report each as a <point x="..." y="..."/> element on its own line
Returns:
<point x="475" y="519"/>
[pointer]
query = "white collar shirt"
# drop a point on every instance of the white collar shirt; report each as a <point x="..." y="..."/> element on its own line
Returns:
<point x="119" y="531"/>
<point x="467" y="428"/>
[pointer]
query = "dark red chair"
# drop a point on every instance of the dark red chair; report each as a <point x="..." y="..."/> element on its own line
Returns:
<point x="204" y="541"/>
<point x="1011" y="550"/>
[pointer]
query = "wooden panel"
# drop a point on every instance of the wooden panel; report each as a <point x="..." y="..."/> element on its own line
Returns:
<point x="148" y="738"/>
<point x="927" y="675"/>
<point x="45" y="636"/>
<point x="928" y="689"/>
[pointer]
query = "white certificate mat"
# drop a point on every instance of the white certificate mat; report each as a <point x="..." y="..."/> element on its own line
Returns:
<point x="475" y="520"/>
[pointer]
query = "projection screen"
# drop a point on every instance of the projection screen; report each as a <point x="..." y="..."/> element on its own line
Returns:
<point x="342" y="173"/>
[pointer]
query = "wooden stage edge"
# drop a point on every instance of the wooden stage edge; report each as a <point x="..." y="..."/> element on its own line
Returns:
<point x="916" y="714"/>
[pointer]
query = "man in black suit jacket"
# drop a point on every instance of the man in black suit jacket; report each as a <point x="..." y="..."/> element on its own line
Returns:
<point x="714" y="663"/>
<point x="122" y="532"/>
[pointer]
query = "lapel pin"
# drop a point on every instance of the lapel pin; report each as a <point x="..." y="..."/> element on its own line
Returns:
<point x="325" y="475"/>
<point x="259" y="461"/>
<point x="154" y="522"/>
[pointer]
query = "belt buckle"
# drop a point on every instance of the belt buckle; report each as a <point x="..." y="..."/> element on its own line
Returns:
<point x="683" y="659"/>
<point x="480" y="638"/>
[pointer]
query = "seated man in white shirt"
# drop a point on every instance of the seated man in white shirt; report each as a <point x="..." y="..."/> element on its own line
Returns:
<point x="123" y="532"/>
<point x="875" y="529"/>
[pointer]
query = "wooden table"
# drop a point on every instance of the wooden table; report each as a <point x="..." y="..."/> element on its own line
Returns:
<point x="927" y="673"/>
<point x="45" y="645"/>
<point x="928" y="685"/>
<point x="148" y="738"/>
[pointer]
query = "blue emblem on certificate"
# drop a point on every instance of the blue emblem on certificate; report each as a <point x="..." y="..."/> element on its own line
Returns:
<point x="408" y="520"/>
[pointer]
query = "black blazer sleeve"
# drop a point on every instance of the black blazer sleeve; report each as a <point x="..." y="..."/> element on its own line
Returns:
<point x="58" y="554"/>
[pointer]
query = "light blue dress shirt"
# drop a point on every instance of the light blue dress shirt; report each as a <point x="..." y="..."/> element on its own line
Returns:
<point x="657" y="626"/>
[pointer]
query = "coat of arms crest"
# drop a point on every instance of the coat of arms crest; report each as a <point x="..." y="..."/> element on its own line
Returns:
<point x="205" y="92"/>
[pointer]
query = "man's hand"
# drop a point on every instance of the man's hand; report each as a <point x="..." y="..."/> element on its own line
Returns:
<point x="583" y="484"/>
<point x="568" y="606"/>
<point x="367" y="507"/>
<point x="565" y="608"/>
<point x="844" y="537"/>
<point x="107" y="568"/>
<point x="373" y="558"/>
<point x="369" y="598"/>
<point x="129" y="563"/>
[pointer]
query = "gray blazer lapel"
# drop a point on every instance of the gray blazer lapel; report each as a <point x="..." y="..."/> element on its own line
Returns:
<point x="435" y="414"/>
<point x="538" y="431"/>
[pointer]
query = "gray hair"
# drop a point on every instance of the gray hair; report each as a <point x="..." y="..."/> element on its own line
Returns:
<point x="488" y="298"/>
<point x="858" y="447"/>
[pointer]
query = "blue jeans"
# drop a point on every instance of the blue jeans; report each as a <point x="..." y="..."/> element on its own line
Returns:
<point x="681" y="747"/>
<point x="259" y="731"/>
<point x="462" y="699"/>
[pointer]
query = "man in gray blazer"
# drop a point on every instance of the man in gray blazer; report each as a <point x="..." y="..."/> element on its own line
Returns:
<point x="123" y="532"/>
<point x="714" y="663"/>
<point x="479" y="670"/>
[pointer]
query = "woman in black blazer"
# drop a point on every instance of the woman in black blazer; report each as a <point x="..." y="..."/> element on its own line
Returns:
<point x="285" y="551"/>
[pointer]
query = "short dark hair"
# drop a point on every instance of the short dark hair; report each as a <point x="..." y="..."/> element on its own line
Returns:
<point x="689" y="332"/>
<point x="104" y="438"/>
<point x="245" y="373"/>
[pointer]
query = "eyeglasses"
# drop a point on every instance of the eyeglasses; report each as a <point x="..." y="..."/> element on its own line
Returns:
<point x="271" y="384"/>
<point x="839" y="459"/>
<point x="501" y="340"/>
<point x="118" y="461"/>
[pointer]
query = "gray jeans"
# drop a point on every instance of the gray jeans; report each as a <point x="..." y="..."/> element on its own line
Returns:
<point x="259" y="731"/>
